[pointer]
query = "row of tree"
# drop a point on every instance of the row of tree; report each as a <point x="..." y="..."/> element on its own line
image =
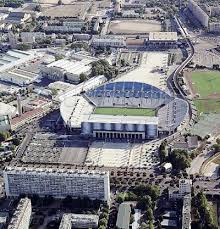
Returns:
<point x="203" y="218"/>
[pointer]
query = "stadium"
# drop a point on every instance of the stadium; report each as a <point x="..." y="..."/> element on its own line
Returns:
<point x="124" y="110"/>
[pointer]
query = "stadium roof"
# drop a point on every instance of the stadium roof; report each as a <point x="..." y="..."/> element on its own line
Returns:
<point x="123" y="119"/>
<point x="132" y="94"/>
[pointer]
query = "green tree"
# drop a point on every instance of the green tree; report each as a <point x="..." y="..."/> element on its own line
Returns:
<point x="103" y="222"/>
<point x="149" y="214"/>
<point x="82" y="77"/>
<point x="179" y="159"/>
<point x="151" y="225"/>
<point x="120" y="198"/>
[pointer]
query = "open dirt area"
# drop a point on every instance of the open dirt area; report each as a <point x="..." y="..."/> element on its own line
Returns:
<point x="71" y="10"/>
<point x="134" y="26"/>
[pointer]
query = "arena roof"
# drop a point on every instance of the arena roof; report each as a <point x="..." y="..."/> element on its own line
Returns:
<point x="131" y="94"/>
<point x="123" y="119"/>
<point x="171" y="111"/>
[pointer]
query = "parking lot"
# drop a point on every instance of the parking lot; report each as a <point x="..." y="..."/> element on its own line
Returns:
<point x="51" y="148"/>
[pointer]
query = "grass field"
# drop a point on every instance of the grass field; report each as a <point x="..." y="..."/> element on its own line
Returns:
<point x="206" y="84"/>
<point x="124" y="111"/>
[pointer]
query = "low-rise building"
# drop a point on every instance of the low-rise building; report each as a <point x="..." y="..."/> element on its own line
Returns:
<point x="31" y="37"/>
<point x="66" y="69"/>
<point x="108" y="41"/>
<point x="70" y="221"/>
<point x="159" y="40"/>
<point x="22" y="215"/>
<point x="18" y="17"/>
<point x="123" y="217"/>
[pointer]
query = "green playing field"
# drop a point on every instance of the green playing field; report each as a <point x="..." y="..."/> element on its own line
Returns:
<point x="124" y="111"/>
<point x="207" y="85"/>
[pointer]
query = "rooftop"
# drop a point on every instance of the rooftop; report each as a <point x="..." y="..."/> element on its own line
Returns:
<point x="123" y="217"/>
<point x="58" y="171"/>
<point x="123" y="119"/>
<point x="163" y="36"/>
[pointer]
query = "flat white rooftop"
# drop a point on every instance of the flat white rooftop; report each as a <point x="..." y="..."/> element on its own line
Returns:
<point x="163" y="36"/>
<point x="70" y="66"/>
<point x="123" y="119"/>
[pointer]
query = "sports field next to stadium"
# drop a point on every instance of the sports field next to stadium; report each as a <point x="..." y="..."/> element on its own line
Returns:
<point x="124" y="111"/>
<point x="206" y="85"/>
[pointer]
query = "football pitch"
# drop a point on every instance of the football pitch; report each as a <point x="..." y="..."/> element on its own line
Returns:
<point x="124" y="111"/>
<point x="207" y="85"/>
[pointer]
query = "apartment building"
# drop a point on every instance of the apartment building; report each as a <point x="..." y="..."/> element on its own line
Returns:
<point x="22" y="215"/>
<point x="185" y="186"/>
<point x="56" y="182"/>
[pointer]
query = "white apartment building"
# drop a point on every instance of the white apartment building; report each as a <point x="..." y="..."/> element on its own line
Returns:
<point x="185" y="186"/>
<point x="22" y="215"/>
<point x="186" y="212"/>
<point x="70" y="221"/>
<point x="57" y="182"/>
<point x="198" y="13"/>
<point x="108" y="41"/>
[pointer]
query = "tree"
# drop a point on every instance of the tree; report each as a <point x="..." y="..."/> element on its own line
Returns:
<point x="82" y="77"/>
<point x="4" y="136"/>
<point x="122" y="62"/>
<point x="179" y="159"/>
<point x="162" y="155"/>
<point x="103" y="222"/>
<point x="216" y="148"/>
<point x="120" y="198"/>
<point x="144" y="202"/>
<point x="38" y="8"/>
<point x="151" y="225"/>
<point x="218" y="141"/>
<point x="149" y="214"/>
<point x="131" y="219"/>
<point x="16" y="141"/>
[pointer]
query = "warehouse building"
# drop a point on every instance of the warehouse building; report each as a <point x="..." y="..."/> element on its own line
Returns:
<point x="57" y="182"/>
<point x="66" y="70"/>
<point x="162" y="40"/>
<point x="70" y="221"/>
<point x="22" y="215"/>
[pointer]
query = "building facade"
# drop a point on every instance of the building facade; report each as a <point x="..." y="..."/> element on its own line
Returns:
<point x="121" y="127"/>
<point x="57" y="182"/>
<point x="198" y="13"/>
<point x="162" y="40"/>
<point x="108" y="41"/>
<point x="22" y="215"/>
